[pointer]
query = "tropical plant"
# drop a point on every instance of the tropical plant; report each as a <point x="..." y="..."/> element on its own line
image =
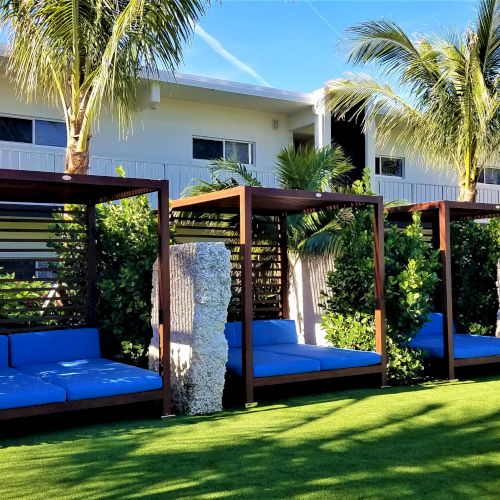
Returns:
<point x="475" y="251"/>
<point x="312" y="169"/>
<point x="410" y="281"/>
<point x="452" y="118"/>
<point x="82" y="55"/>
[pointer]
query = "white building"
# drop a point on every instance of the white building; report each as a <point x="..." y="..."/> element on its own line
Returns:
<point x="186" y="121"/>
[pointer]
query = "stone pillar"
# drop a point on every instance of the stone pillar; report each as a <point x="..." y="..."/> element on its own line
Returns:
<point x="200" y="284"/>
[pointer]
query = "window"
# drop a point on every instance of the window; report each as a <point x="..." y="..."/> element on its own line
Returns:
<point x="213" y="149"/>
<point x="49" y="133"/>
<point x="387" y="165"/>
<point x="490" y="175"/>
<point x="32" y="131"/>
<point x="16" y="130"/>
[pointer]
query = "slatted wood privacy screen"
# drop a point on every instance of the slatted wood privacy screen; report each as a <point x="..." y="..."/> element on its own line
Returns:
<point x="44" y="251"/>
<point x="269" y="263"/>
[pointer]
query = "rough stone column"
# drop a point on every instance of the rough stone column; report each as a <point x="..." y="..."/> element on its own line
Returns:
<point x="200" y="287"/>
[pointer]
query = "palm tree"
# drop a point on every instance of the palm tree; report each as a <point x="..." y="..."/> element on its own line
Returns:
<point x="83" y="55"/>
<point x="305" y="167"/>
<point x="453" y="115"/>
<point x="312" y="169"/>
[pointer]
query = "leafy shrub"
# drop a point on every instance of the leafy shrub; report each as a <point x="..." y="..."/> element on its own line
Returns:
<point x="410" y="281"/>
<point x="475" y="249"/>
<point x="127" y="245"/>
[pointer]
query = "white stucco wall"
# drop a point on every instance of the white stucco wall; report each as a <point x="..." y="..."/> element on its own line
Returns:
<point x="161" y="138"/>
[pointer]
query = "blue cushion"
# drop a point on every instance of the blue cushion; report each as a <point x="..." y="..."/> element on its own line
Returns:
<point x="330" y="358"/>
<point x="268" y="364"/>
<point x="18" y="390"/>
<point x="464" y="346"/>
<point x="434" y="324"/>
<point x="232" y="331"/>
<point x="4" y="351"/>
<point x="95" y="378"/>
<point x="264" y="332"/>
<point x="56" y="345"/>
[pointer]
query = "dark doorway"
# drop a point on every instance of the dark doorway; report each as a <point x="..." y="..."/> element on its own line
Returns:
<point x="348" y="133"/>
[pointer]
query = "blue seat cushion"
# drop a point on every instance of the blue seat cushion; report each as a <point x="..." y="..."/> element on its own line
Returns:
<point x="464" y="345"/>
<point x="264" y="332"/>
<point x="52" y="346"/>
<point x="4" y="351"/>
<point x="268" y="364"/>
<point x="17" y="389"/>
<point x="95" y="378"/>
<point x="330" y="358"/>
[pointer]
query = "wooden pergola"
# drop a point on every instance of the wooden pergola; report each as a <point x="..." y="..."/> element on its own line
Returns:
<point x="246" y="205"/>
<point x="28" y="202"/>
<point x="439" y="215"/>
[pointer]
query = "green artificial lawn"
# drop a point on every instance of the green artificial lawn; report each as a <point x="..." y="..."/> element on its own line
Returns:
<point x="430" y="441"/>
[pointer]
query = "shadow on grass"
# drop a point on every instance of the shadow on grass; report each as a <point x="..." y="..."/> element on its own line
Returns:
<point x="353" y="444"/>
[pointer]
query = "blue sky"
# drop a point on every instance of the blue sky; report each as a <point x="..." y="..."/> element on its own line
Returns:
<point x="299" y="44"/>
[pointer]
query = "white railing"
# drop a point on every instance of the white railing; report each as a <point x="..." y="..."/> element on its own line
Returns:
<point x="179" y="175"/>
<point x="412" y="192"/>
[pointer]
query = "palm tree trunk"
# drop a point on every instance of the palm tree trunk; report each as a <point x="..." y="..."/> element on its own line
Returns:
<point x="467" y="194"/>
<point x="77" y="159"/>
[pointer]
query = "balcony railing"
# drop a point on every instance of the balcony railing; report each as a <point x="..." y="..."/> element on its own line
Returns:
<point x="182" y="175"/>
<point x="179" y="175"/>
<point x="412" y="192"/>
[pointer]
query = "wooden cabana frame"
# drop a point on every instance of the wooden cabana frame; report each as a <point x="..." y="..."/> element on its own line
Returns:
<point x="439" y="214"/>
<point x="26" y="187"/>
<point x="245" y="202"/>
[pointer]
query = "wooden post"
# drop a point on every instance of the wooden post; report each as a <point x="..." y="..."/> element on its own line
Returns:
<point x="445" y="249"/>
<point x="285" y="305"/>
<point x="164" y="302"/>
<point x="91" y="278"/>
<point x="379" y="265"/>
<point x="246" y="291"/>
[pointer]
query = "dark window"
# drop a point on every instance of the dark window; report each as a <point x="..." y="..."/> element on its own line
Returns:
<point x="386" y="165"/>
<point x="207" y="149"/>
<point x="48" y="133"/>
<point x="490" y="175"/>
<point x="16" y="129"/>
<point x="238" y="151"/>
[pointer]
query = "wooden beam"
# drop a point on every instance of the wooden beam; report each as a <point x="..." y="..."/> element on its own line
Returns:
<point x="321" y="375"/>
<point x="91" y="282"/>
<point x="379" y="276"/>
<point x="246" y="295"/>
<point x="283" y="247"/>
<point x="447" y="305"/>
<point x="164" y="299"/>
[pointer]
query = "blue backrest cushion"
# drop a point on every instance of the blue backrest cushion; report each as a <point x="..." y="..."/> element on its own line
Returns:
<point x="434" y="325"/>
<point x="232" y="331"/>
<point x="53" y="346"/>
<point x="265" y="332"/>
<point x="4" y="351"/>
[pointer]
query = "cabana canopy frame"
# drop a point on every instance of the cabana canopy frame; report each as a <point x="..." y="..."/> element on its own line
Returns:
<point x="248" y="202"/>
<point x="55" y="190"/>
<point x="440" y="214"/>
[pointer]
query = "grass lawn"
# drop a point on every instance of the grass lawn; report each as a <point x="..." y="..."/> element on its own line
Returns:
<point x="437" y="441"/>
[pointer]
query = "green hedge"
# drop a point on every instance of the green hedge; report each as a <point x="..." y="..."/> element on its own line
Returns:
<point x="411" y="277"/>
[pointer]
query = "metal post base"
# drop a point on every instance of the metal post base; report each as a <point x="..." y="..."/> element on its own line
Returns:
<point x="251" y="405"/>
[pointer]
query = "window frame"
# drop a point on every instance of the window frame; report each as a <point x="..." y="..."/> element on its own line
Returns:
<point x="251" y="149"/>
<point x="33" y="120"/>
<point x="379" y="157"/>
<point x="483" y="173"/>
